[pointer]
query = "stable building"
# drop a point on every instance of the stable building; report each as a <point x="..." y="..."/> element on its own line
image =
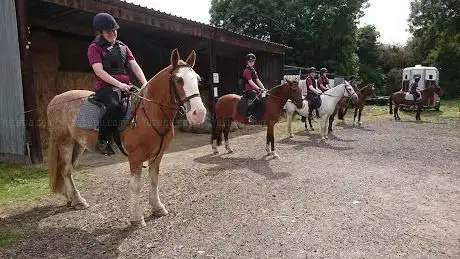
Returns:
<point x="44" y="46"/>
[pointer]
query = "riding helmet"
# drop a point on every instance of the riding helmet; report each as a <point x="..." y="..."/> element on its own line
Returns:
<point x="312" y="70"/>
<point x="323" y="70"/>
<point x="250" y="57"/>
<point x="104" y="22"/>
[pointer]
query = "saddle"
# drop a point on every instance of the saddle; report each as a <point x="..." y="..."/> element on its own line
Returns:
<point x="257" y="105"/>
<point x="314" y="101"/>
<point x="91" y="111"/>
<point x="413" y="96"/>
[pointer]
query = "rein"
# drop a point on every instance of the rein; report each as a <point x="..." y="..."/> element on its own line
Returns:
<point x="174" y="97"/>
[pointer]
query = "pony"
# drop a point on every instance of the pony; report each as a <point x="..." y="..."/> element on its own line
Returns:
<point x="400" y="97"/>
<point x="227" y="110"/>
<point x="145" y="140"/>
<point x="344" y="104"/>
<point x="329" y="100"/>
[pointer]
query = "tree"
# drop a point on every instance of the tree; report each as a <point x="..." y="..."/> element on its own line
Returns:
<point x="322" y="33"/>
<point x="435" y="26"/>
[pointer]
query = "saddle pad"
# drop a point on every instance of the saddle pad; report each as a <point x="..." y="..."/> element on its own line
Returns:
<point x="259" y="109"/>
<point x="90" y="114"/>
<point x="410" y="97"/>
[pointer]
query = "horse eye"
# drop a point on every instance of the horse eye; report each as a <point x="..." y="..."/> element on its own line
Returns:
<point x="179" y="80"/>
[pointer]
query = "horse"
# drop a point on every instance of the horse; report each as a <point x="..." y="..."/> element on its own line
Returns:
<point x="145" y="140"/>
<point x="329" y="100"/>
<point x="400" y="97"/>
<point x="344" y="104"/>
<point x="227" y="110"/>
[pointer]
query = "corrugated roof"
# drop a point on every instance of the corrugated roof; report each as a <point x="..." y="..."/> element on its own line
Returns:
<point x="133" y="5"/>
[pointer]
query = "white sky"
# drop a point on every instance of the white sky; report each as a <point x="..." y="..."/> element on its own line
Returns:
<point x="389" y="16"/>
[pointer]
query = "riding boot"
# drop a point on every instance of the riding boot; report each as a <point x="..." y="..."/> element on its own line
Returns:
<point x="102" y="145"/>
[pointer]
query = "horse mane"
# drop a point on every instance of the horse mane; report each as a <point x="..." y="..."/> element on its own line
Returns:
<point x="333" y="89"/>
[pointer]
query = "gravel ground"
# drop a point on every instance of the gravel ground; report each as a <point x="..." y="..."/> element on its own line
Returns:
<point x="389" y="189"/>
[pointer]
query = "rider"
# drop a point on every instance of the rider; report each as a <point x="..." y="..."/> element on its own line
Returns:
<point x="313" y="93"/>
<point x="323" y="81"/>
<point x="110" y="60"/>
<point x="252" y="85"/>
<point x="414" y="86"/>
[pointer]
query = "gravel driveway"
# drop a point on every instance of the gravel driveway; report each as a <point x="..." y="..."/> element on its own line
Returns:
<point x="390" y="189"/>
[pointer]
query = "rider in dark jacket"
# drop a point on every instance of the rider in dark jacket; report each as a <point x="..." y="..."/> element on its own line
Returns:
<point x="414" y="86"/>
<point x="110" y="60"/>
<point x="252" y="84"/>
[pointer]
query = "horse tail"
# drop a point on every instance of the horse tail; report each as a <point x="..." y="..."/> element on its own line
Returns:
<point x="391" y="104"/>
<point x="56" y="180"/>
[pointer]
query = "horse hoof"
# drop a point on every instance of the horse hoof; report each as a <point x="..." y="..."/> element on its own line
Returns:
<point x="215" y="152"/>
<point x="82" y="205"/>
<point x="229" y="150"/>
<point x="275" y="155"/>
<point x="159" y="212"/>
<point x="138" y="223"/>
<point x="360" y="123"/>
<point x="267" y="148"/>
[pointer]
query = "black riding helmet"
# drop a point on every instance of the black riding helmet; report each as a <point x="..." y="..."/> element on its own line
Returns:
<point x="104" y="22"/>
<point x="250" y="56"/>
<point x="323" y="70"/>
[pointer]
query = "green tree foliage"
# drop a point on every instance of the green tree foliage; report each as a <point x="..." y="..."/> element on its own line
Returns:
<point x="322" y="33"/>
<point x="435" y="26"/>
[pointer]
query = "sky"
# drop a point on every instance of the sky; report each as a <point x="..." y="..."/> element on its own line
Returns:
<point x="388" y="16"/>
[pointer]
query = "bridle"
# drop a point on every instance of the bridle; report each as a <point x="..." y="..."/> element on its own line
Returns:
<point x="177" y="102"/>
<point x="345" y="90"/>
<point x="279" y="98"/>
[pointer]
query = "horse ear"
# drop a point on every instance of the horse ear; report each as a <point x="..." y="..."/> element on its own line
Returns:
<point x="175" y="58"/>
<point x="191" y="59"/>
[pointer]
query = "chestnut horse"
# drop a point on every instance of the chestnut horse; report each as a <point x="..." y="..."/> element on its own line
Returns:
<point x="146" y="140"/>
<point x="399" y="98"/>
<point x="227" y="110"/>
<point x="345" y="103"/>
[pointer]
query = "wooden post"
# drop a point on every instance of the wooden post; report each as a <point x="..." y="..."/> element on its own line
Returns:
<point x="29" y="91"/>
<point x="212" y="69"/>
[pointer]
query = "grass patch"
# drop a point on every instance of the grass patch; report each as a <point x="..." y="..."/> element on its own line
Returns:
<point x="21" y="183"/>
<point x="9" y="237"/>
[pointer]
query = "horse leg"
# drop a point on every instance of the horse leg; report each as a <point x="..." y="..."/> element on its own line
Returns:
<point x="359" y="115"/>
<point x="331" y="119"/>
<point x="271" y="140"/>
<point x="417" y="115"/>
<point x="354" y="117"/>
<point x="158" y="209"/>
<point x="326" y="127"/>
<point x="66" y="159"/>
<point x="228" y="124"/>
<point x="289" y="123"/>
<point x="137" y="218"/>
<point x="216" y="135"/>
<point x="309" y="122"/>
<point x="396" y="112"/>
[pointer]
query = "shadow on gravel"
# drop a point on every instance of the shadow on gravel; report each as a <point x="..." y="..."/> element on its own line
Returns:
<point x="315" y="141"/>
<point x="363" y="128"/>
<point x="51" y="242"/>
<point x="223" y="163"/>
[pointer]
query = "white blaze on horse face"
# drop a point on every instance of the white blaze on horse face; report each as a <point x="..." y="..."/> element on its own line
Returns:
<point x="197" y="112"/>
<point x="351" y="91"/>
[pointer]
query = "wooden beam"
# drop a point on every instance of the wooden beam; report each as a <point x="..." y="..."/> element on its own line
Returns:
<point x="29" y="90"/>
<point x="152" y="18"/>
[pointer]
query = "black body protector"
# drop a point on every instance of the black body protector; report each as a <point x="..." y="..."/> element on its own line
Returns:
<point x="114" y="59"/>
